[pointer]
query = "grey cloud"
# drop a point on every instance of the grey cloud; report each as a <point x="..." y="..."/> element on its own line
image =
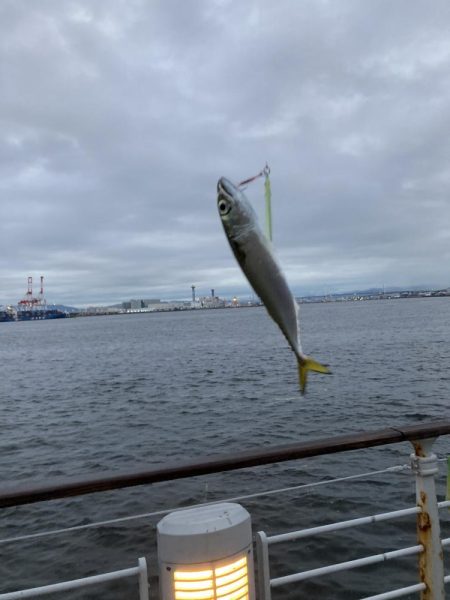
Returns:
<point x="117" y="119"/>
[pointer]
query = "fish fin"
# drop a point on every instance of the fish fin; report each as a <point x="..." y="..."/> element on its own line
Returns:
<point x="309" y="364"/>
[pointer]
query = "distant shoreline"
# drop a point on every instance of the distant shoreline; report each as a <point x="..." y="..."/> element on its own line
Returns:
<point x="182" y="306"/>
<point x="105" y="311"/>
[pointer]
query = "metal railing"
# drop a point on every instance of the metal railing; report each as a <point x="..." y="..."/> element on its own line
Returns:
<point x="424" y="465"/>
<point x="429" y="549"/>
<point x="65" y="586"/>
<point x="263" y="542"/>
<point x="26" y="494"/>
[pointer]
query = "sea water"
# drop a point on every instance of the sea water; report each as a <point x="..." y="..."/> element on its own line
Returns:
<point x="100" y="395"/>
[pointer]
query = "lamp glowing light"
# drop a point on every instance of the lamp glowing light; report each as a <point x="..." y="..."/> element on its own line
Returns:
<point x="206" y="554"/>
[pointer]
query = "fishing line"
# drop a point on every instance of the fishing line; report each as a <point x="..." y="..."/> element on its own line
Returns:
<point x="267" y="195"/>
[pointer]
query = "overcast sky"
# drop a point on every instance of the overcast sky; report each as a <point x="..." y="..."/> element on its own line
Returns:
<point x="118" y="117"/>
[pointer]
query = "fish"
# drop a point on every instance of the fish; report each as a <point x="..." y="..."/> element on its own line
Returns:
<point x="255" y="256"/>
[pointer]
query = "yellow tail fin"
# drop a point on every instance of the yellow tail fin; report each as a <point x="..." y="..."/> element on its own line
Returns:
<point x="309" y="364"/>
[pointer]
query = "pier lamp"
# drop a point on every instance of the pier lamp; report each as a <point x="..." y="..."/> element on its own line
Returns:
<point x="206" y="553"/>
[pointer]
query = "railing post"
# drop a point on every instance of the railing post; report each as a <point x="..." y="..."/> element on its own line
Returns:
<point x="262" y="556"/>
<point x="143" y="580"/>
<point x="431" y="560"/>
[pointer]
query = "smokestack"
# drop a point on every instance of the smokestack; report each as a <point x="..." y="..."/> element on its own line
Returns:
<point x="193" y="293"/>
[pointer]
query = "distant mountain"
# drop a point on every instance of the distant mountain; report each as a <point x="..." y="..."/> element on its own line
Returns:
<point x="374" y="291"/>
<point x="390" y="289"/>
<point x="68" y="309"/>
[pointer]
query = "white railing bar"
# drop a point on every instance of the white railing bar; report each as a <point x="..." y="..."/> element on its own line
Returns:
<point x="295" y="535"/>
<point x="344" y="566"/>
<point x="418" y="587"/>
<point x="446" y="578"/>
<point x="70" y="585"/>
<point x="76" y="583"/>
<point x="445" y="541"/>
<point x="306" y="486"/>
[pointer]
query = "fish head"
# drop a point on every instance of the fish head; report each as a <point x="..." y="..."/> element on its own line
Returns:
<point x="235" y="210"/>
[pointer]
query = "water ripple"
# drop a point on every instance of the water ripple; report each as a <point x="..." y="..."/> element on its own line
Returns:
<point x="87" y="396"/>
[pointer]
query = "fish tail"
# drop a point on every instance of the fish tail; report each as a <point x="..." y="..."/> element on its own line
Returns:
<point x="306" y="364"/>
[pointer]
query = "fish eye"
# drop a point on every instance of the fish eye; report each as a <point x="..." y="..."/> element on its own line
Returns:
<point x="224" y="207"/>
